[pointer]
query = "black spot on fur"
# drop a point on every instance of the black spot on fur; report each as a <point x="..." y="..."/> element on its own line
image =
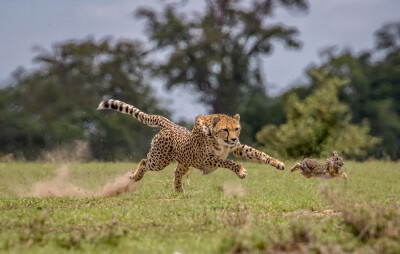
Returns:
<point x="106" y="104"/>
<point x="120" y="108"/>
<point x="126" y="110"/>
<point x="114" y="106"/>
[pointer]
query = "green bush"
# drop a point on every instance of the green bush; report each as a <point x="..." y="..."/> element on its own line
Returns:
<point x="317" y="125"/>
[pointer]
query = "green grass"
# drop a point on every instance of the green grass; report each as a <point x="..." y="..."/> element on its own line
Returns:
<point x="268" y="211"/>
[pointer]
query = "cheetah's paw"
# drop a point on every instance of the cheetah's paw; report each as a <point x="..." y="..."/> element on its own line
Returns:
<point x="131" y="176"/>
<point x="242" y="172"/>
<point x="280" y="166"/>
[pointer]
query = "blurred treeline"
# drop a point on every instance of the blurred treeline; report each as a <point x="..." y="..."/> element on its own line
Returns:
<point x="350" y="102"/>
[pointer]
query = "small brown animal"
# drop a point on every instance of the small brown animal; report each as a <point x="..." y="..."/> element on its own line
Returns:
<point x="331" y="169"/>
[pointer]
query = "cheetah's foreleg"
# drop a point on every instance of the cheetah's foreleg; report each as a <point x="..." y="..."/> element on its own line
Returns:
<point x="238" y="169"/>
<point x="248" y="152"/>
<point x="179" y="172"/>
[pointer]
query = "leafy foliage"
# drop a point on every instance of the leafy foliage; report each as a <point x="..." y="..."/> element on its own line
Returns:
<point x="217" y="51"/>
<point x="317" y="125"/>
<point x="373" y="89"/>
<point x="56" y="104"/>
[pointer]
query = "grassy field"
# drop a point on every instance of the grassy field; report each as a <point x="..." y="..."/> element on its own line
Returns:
<point x="270" y="211"/>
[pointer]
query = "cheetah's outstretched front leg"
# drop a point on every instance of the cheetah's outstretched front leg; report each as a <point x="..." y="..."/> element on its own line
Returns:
<point x="248" y="152"/>
<point x="238" y="169"/>
<point x="179" y="172"/>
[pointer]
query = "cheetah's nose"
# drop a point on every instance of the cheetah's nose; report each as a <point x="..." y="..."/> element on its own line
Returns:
<point x="233" y="139"/>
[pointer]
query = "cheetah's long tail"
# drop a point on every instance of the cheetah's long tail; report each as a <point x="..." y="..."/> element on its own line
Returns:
<point x="150" y="120"/>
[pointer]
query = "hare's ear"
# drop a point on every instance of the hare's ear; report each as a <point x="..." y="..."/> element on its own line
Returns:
<point x="237" y="117"/>
<point x="215" y="120"/>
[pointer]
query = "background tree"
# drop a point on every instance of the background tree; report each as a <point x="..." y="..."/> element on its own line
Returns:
<point x="56" y="103"/>
<point x="317" y="125"/>
<point x="373" y="90"/>
<point x="218" y="51"/>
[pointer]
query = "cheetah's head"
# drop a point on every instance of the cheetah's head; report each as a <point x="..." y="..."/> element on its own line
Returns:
<point x="226" y="129"/>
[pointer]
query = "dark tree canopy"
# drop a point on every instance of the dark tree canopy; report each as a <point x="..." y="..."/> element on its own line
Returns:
<point x="56" y="103"/>
<point x="388" y="38"/>
<point x="318" y="125"/>
<point x="217" y="51"/>
<point x="373" y="91"/>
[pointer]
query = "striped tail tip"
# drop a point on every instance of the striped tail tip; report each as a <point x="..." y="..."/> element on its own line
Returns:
<point x="103" y="105"/>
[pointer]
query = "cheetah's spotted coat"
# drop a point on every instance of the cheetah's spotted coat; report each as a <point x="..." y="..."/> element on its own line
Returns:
<point x="206" y="147"/>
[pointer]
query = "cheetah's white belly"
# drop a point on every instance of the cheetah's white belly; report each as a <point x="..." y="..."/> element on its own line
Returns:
<point x="208" y="170"/>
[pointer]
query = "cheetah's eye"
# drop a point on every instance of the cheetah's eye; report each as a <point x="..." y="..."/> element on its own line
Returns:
<point x="225" y="129"/>
<point x="237" y="128"/>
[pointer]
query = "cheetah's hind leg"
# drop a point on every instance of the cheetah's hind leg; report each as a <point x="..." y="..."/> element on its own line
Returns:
<point x="295" y="167"/>
<point x="139" y="173"/>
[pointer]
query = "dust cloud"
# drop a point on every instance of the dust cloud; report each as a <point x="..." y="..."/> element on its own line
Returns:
<point x="61" y="186"/>
<point x="233" y="190"/>
<point x="120" y="185"/>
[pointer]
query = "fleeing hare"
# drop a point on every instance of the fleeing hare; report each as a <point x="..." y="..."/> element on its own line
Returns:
<point x="330" y="169"/>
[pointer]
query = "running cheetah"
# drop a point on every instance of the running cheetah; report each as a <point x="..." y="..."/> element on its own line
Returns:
<point x="206" y="147"/>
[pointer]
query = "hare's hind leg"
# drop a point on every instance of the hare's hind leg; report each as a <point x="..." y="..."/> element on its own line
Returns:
<point x="295" y="167"/>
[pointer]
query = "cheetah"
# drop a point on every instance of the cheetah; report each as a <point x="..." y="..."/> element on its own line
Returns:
<point x="331" y="169"/>
<point x="206" y="147"/>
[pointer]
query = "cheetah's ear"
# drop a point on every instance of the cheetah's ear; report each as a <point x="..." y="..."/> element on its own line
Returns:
<point x="215" y="120"/>
<point x="335" y="153"/>
<point x="237" y="117"/>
